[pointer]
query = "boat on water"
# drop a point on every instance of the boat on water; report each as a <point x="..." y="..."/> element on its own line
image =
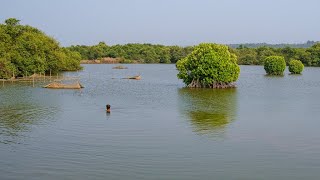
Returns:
<point x="56" y="85"/>
<point x="119" y="67"/>
<point x="138" y="77"/>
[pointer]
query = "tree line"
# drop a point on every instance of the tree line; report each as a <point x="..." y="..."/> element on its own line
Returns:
<point x="141" y="53"/>
<point x="25" y="50"/>
<point x="256" y="56"/>
<point x="282" y="45"/>
<point x="148" y="53"/>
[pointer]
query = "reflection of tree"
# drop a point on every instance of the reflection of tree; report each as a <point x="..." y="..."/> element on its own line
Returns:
<point x="17" y="119"/>
<point x="23" y="107"/>
<point x="209" y="110"/>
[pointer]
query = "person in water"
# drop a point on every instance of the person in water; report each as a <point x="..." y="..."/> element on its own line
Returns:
<point x="108" y="108"/>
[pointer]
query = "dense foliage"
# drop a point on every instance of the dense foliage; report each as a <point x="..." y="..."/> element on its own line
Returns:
<point x="25" y="50"/>
<point x="148" y="53"/>
<point x="256" y="56"/>
<point x="275" y="65"/>
<point x="296" y="67"/>
<point x="209" y="65"/>
<point x="142" y="53"/>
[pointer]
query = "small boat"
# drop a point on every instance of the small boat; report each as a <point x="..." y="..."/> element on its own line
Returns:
<point x="55" y="85"/>
<point x="135" y="77"/>
<point x="119" y="67"/>
<point x="138" y="77"/>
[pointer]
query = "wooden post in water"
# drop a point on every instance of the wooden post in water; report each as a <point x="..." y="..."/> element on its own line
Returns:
<point x="2" y="82"/>
<point x="12" y="77"/>
<point x="32" y="81"/>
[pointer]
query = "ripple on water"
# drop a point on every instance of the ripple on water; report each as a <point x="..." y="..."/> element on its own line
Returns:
<point x="16" y="120"/>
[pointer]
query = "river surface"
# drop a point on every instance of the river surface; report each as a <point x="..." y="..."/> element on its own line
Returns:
<point x="267" y="128"/>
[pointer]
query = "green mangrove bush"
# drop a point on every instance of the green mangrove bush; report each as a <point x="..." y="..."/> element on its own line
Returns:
<point x="25" y="50"/>
<point x="209" y="66"/>
<point x="295" y="67"/>
<point x="274" y="65"/>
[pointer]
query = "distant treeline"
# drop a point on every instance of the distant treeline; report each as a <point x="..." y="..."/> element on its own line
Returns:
<point x="283" y="45"/>
<point x="148" y="53"/>
<point x="256" y="56"/>
<point x="141" y="53"/>
<point x="25" y="50"/>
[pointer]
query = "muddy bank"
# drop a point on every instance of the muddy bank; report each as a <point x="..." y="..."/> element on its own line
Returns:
<point x="102" y="61"/>
<point x="108" y="60"/>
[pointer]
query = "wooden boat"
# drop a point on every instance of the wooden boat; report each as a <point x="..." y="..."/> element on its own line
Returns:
<point x="119" y="67"/>
<point x="55" y="85"/>
<point x="134" y="77"/>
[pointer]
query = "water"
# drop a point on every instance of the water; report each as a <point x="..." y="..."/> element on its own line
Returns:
<point x="267" y="128"/>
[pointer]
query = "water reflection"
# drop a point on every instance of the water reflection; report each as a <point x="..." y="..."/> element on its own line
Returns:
<point x="16" y="120"/>
<point x="23" y="107"/>
<point x="209" y="111"/>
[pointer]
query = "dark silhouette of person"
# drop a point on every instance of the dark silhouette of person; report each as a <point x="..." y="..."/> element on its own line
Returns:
<point x="108" y="108"/>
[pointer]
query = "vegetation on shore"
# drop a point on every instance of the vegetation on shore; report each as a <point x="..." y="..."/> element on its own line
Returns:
<point x="25" y="50"/>
<point x="148" y="53"/>
<point x="209" y="66"/>
<point x="274" y="65"/>
<point x="256" y="56"/>
<point x="295" y="67"/>
<point x="133" y="53"/>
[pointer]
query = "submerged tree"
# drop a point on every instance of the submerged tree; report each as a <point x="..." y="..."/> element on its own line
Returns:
<point x="274" y="65"/>
<point x="296" y="67"/>
<point x="209" y="66"/>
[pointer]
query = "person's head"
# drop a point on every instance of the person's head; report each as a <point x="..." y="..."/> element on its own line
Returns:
<point x="108" y="108"/>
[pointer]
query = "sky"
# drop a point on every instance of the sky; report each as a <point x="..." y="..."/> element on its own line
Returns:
<point x="169" y="22"/>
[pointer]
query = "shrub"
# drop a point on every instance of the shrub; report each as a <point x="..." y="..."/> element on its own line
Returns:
<point x="25" y="50"/>
<point x="126" y="61"/>
<point x="274" y="65"/>
<point x="295" y="67"/>
<point x="209" y="65"/>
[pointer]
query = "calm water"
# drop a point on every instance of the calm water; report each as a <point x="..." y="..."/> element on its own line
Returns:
<point x="267" y="128"/>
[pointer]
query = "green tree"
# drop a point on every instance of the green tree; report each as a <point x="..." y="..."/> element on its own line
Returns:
<point x="6" y="68"/>
<point x="149" y="55"/>
<point x="295" y="67"/>
<point x="304" y="56"/>
<point x="274" y="65"/>
<point x="247" y="56"/>
<point x="263" y="52"/>
<point x="71" y="60"/>
<point x="176" y="53"/>
<point x="25" y="50"/>
<point x="163" y="54"/>
<point x="12" y="22"/>
<point x="288" y="53"/>
<point x="209" y="65"/>
<point x="314" y="55"/>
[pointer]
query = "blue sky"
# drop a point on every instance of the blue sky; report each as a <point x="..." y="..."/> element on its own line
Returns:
<point x="169" y="22"/>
